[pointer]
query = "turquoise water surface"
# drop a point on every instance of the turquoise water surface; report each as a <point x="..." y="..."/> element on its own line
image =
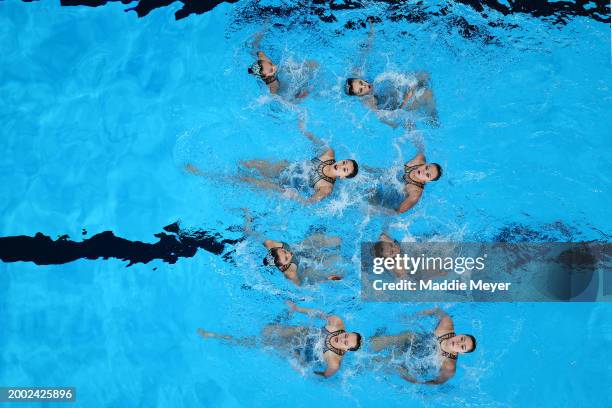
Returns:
<point x="103" y="110"/>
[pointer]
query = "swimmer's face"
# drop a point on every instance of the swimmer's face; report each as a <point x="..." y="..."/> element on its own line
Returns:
<point x="284" y="256"/>
<point x="425" y="173"/>
<point x="343" y="168"/>
<point x="344" y="341"/>
<point x="460" y="344"/>
<point x="389" y="250"/>
<point x="268" y="69"/>
<point x="359" y="87"/>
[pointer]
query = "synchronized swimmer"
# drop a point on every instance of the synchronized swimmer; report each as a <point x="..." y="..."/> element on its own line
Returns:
<point x="310" y="181"/>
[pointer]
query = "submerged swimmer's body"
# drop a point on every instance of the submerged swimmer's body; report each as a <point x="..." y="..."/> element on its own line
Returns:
<point x="287" y="260"/>
<point x="291" y="179"/>
<point x="309" y="345"/>
<point x="298" y="76"/>
<point x="417" y="173"/>
<point x="303" y="265"/>
<point x="447" y="348"/>
<point x="411" y="94"/>
<point x="392" y="91"/>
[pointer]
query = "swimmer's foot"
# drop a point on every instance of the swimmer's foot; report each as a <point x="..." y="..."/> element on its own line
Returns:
<point x="206" y="334"/>
<point x="211" y="335"/>
<point x="334" y="277"/>
<point x="190" y="168"/>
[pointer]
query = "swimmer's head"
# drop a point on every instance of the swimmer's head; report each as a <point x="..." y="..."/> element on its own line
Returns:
<point x="347" y="168"/>
<point x="383" y="249"/>
<point x="263" y="69"/>
<point x="426" y="172"/>
<point x="461" y="343"/>
<point x="347" y="341"/>
<point x="279" y="257"/>
<point x="357" y="87"/>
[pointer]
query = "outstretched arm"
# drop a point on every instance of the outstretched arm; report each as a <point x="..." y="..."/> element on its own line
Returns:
<point x="256" y="40"/>
<point x="248" y="225"/>
<point x="435" y="311"/>
<point x="445" y="325"/>
<point x="310" y="312"/>
<point x="269" y="244"/>
<point x="319" y="144"/>
<point x="365" y="50"/>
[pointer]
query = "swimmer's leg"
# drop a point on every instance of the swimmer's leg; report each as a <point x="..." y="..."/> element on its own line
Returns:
<point x="265" y="168"/>
<point x="279" y="336"/>
<point x="239" y="341"/>
<point x="263" y="184"/>
<point x="319" y="240"/>
<point x="331" y="260"/>
<point x="190" y="168"/>
<point x="381" y="342"/>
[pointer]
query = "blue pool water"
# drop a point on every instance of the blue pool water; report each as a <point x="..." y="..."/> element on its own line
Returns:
<point x="101" y="112"/>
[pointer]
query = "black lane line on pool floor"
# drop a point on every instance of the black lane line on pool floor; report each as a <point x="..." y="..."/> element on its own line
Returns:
<point x="173" y="244"/>
<point x="398" y="10"/>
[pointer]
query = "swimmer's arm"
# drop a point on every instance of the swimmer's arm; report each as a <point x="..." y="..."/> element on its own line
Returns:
<point x="320" y="194"/>
<point x="262" y="56"/>
<point x="315" y="140"/>
<point x="256" y="39"/>
<point x="418" y="159"/>
<point x="269" y="244"/>
<point x="331" y="369"/>
<point x="374" y="170"/>
<point x="385" y="238"/>
<point x="445" y="325"/>
<point x="435" y="311"/>
<point x="305" y="310"/>
<point x="408" y="203"/>
<point x="248" y="225"/>
<point x="328" y="155"/>
<point x="446" y="372"/>
<point x="365" y="49"/>
<point x="292" y="275"/>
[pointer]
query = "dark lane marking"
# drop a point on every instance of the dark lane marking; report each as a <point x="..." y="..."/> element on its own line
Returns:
<point x="173" y="244"/>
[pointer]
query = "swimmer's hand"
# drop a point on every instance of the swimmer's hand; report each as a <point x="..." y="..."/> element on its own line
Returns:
<point x="292" y="306"/>
<point x="334" y="277"/>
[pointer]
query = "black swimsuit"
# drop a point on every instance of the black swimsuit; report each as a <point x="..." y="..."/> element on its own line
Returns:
<point x="269" y="80"/>
<point x="408" y="179"/>
<point x="327" y="342"/>
<point x="318" y="174"/>
<point x="441" y="339"/>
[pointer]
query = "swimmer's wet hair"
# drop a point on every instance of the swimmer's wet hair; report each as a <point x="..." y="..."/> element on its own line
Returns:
<point x="355" y="169"/>
<point x="348" y="87"/>
<point x="273" y="258"/>
<point x="358" y="345"/>
<point x="473" y="342"/>
<point x="437" y="166"/>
